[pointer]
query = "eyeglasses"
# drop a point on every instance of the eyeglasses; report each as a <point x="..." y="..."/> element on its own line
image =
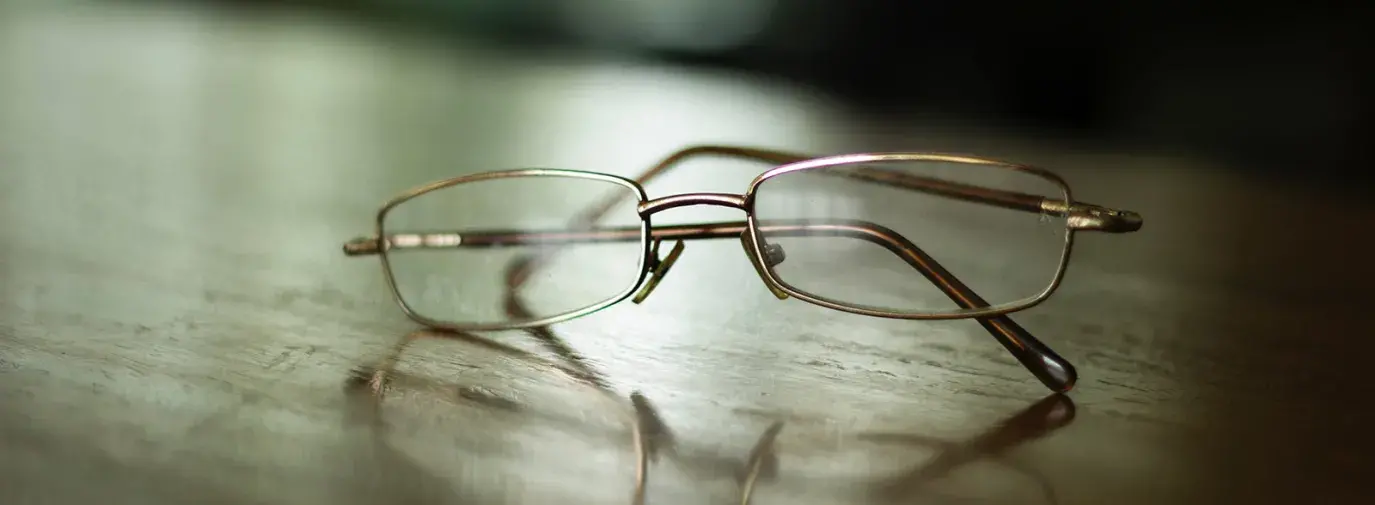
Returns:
<point x="839" y="232"/>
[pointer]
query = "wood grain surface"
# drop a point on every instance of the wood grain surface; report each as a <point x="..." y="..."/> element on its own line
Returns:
<point x="178" y="325"/>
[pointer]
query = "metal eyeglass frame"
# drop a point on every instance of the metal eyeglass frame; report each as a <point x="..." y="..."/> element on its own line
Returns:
<point x="1042" y="361"/>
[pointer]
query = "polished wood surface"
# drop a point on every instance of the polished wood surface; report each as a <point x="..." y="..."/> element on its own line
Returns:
<point x="178" y="324"/>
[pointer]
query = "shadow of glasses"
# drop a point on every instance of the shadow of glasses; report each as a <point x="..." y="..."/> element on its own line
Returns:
<point x="653" y="439"/>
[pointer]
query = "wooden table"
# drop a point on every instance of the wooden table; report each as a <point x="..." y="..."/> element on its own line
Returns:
<point x="178" y="325"/>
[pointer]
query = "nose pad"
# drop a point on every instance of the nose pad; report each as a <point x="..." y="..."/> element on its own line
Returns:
<point x="773" y="254"/>
<point x="660" y="268"/>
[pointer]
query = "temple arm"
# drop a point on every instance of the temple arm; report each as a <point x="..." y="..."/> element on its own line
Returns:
<point x="1051" y="369"/>
<point x="1083" y="216"/>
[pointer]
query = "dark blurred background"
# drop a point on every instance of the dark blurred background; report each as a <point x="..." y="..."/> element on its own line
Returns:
<point x="1270" y="87"/>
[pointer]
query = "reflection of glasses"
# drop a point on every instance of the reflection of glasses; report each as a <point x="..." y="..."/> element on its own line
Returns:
<point x="378" y="378"/>
<point x="838" y="231"/>
<point x="812" y="465"/>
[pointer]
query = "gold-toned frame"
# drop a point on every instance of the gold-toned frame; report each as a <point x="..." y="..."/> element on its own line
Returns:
<point x="961" y="294"/>
<point x="1053" y="371"/>
<point x="384" y="247"/>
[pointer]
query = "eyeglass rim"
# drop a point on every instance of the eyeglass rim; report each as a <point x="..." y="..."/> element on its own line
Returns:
<point x="383" y="249"/>
<point x="774" y="279"/>
<point x="768" y="275"/>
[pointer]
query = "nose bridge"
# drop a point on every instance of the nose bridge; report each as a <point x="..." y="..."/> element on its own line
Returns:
<point x="669" y="202"/>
